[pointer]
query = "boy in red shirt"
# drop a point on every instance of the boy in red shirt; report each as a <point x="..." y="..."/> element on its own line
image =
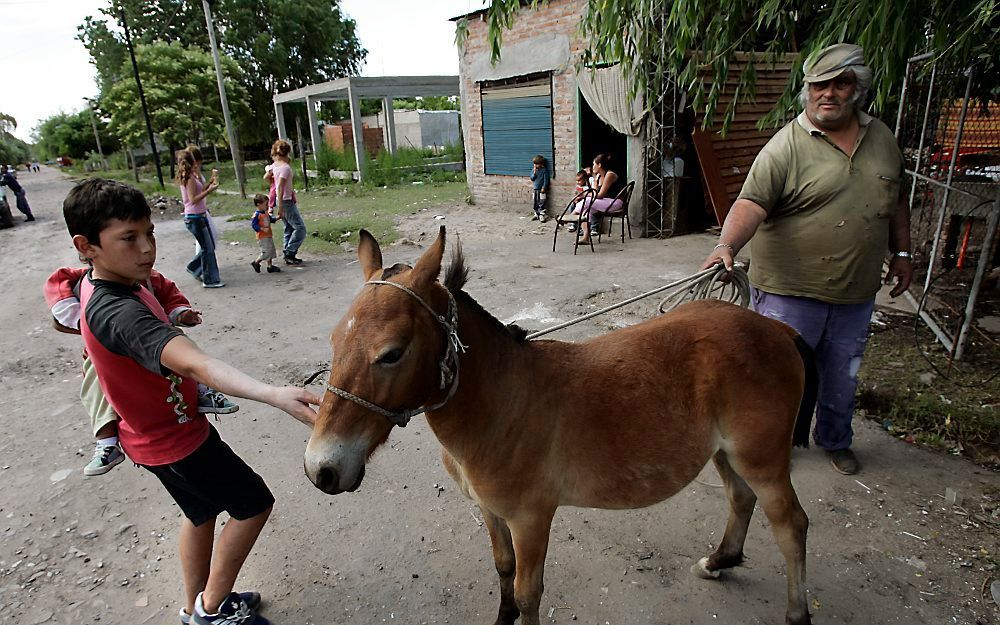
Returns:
<point x="148" y="371"/>
<point x="62" y="295"/>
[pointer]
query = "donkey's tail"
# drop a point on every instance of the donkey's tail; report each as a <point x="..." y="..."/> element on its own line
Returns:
<point x="800" y="436"/>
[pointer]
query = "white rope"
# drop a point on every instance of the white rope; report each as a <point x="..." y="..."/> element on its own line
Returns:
<point x="705" y="284"/>
<point x="735" y="290"/>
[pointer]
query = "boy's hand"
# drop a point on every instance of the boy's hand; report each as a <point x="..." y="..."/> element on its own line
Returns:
<point x="295" y="401"/>
<point x="189" y="317"/>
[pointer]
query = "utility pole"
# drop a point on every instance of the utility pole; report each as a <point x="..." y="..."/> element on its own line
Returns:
<point x="97" y="137"/>
<point x="142" y="98"/>
<point x="230" y="131"/>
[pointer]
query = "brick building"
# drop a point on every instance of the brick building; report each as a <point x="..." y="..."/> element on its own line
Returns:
<point x="529" y="103"/>
<point x="535" y="101"/>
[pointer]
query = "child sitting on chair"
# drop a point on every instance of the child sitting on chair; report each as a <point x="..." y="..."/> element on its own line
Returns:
<point x="582" y="184"/>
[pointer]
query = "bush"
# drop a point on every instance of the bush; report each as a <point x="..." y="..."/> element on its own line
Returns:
<point x="118" y="160"/>
<point x="327" y="158"/>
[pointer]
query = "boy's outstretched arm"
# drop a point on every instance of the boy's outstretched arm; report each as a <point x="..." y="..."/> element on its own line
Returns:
<point x="183" y="357"/>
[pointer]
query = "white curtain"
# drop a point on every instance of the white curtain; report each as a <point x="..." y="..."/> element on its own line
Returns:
<point x="605" y="91"/>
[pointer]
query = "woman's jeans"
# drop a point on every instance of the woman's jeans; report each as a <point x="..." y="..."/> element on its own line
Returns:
<point x="203" y="266"/>
<point x="295" y="228"/>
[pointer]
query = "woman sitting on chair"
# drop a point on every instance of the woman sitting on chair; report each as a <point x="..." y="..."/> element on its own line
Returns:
<point x="608" y="184"/>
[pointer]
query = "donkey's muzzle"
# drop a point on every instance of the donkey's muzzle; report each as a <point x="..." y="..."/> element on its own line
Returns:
<point x="327" y="479"/>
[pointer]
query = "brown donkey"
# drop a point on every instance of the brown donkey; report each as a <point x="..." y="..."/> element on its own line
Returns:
<point x="708" y="380"/>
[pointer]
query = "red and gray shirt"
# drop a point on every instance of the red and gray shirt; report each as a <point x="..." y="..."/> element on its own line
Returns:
<point x="125" y="330"/>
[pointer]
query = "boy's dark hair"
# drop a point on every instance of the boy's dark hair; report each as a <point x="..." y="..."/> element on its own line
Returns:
<point x="260" y="198"/>
<point x="90" y="205"/>
<point x="538" y="159"/>
<point x="582" y="174"/>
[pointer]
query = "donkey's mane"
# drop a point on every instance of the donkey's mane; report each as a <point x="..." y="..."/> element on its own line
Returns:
<point x="456" y="277"/>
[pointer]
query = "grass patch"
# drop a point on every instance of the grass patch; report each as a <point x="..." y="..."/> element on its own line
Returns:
<point x="333" y="214"/>
<point x="901" y="391"/>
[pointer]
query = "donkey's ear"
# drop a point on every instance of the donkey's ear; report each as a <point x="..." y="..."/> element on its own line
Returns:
<point x="369" y="254"/>
<point x="429" y="264"/>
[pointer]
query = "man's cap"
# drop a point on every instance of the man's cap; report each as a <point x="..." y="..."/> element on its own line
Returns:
<point x="831" y="62"/>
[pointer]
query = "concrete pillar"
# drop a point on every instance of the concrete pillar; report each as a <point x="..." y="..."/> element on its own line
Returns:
<point x="390" y="124"/>
<point x="356" y="128"/>
<point x="279" y="116"/>
<point x="313" y="127"/>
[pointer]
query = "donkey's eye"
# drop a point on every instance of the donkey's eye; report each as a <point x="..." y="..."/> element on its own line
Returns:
<point x="391" y="357"/>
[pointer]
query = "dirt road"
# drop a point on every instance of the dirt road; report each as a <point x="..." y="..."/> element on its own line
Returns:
<point x="407" y="548"/>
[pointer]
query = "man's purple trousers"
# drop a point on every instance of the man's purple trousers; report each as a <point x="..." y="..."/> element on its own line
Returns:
<point x="838" y="333"/>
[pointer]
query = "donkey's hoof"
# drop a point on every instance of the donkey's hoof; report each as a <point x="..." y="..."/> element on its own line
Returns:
<point x="700" y="569"/>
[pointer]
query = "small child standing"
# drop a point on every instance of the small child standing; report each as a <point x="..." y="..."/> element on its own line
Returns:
<point x="261" y="224"/>
<point x="540" y="180"/>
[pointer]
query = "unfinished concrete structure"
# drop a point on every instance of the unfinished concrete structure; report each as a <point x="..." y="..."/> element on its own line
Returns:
<point x="357" y="88"/>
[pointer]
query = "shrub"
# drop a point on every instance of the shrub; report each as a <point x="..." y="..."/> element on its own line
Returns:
<point x="327" y="158"/>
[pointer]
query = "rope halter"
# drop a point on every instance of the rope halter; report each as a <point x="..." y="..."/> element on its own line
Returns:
<point x="448" y="365"/>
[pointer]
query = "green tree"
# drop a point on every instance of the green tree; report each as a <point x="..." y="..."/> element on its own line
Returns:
<point x="72" y="134"/>
<point x="428" y="103"/>
<point x="705" y="36"/>
<point x="12" y="149"/>
<point x="182" y="94"/>
<point x="278" y="44"/>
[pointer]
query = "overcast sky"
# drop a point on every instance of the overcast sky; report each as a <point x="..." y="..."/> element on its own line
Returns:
<point x="47" y="70"/>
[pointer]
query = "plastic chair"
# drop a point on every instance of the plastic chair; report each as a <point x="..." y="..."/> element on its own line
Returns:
<point x="569" y="217"/>
<point x="625" y="195"/>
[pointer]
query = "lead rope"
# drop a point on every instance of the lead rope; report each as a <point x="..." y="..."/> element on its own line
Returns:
<point x="701" y="285"/>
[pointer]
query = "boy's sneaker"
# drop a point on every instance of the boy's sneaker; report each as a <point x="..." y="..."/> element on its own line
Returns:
<point x="233" y="611"/>
<point x="214" y="402"/>
<point x="105" y="459"/>
<point x="256" y="266"/>
<point x="214" y="285"/>
<point x="252" y="599"/>
<point x="273" y="269"/>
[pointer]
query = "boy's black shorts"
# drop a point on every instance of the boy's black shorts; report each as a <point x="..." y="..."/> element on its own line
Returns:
<point x="214" y="479"/>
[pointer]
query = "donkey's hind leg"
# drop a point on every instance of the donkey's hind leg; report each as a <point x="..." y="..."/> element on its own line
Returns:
<point x="741" y="503"/>
<point x="790" y="525"/>
<point x="503" y="556"/>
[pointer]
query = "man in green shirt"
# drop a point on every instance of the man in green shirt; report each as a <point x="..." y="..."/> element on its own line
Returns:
<point x="823" y="205"/>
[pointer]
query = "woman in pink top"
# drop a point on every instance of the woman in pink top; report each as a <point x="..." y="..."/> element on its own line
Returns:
<point x="607" y="185"/>
<point x="203" y="266"/>
<point x="284" y="201"/>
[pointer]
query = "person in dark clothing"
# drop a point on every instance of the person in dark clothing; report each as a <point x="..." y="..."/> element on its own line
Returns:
<point x="6" y="221"/>
<point x="8" y="180"/>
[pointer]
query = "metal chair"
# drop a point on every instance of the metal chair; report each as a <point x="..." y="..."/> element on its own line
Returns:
<point x="569" y="217"/>
<point x="625" y="195"/>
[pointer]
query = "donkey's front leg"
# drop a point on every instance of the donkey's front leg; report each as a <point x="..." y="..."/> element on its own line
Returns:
<point x="503" y="556"/>
<point x="531" y="541"/>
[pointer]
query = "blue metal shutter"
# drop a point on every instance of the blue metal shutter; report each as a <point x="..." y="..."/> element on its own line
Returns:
<point x="517" y="125"/>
